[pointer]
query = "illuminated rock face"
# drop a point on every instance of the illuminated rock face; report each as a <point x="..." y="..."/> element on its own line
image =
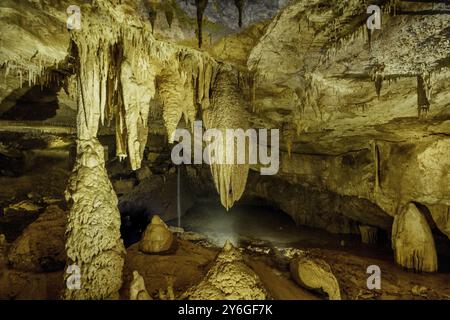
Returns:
<point x="229" y="279"/>
<point x="315" y="274"/>
<point x="93" y="232"/>
<point x="157" y="237"/>
<point x="413" y="241"/>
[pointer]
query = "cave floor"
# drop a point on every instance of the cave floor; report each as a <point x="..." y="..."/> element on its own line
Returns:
<point x="269" y="238"/>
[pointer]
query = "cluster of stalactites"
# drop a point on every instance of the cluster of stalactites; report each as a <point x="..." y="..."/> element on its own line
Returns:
<point x="184" y="87"/>
<point x="227" y="111"/>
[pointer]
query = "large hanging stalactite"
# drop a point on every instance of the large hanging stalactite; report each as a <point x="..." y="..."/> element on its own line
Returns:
<point x="227" y="111"/>
<point x="201" y="7"/>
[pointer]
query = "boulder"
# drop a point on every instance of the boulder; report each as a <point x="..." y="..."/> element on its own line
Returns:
<point x="41" y="247"/>
<point x="137" y="288"/>
<point x="413" y="241"/>
<point x="315" y="274"/>
<point x="229" y="279"/>
<point x="157" y="237"/>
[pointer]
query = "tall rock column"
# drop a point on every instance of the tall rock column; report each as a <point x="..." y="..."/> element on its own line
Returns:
<point x="95" y="251"/>
<point x="93" y="242"/>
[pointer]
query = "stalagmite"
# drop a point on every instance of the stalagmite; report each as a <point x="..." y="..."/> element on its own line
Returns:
<point x="157" y="237"/>
<point x="413" y="241"/>
<point x="93" y="231"/>
<point x="227" y="111"/>
<point x="229" y="279"/>
<point x="137" y="288"/>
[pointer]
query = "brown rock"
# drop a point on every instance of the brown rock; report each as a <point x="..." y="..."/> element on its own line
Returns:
<point x="315" y="274"/>
<point x="157" y="237"/>
<point x="41" y="247"/>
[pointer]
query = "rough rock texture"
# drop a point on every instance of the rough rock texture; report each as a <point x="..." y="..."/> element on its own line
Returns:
<point x="93" y="231"/>
<point x="229" y="279"/>
<point x="40" y="248"/>
<point x="137" y="288"/>
<point x="315" y="274"/>
<point x="157" y="237"/>
<point x="413" y="241"/>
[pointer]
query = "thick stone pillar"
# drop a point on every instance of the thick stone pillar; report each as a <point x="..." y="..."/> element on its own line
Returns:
<point x="93" y="245"/>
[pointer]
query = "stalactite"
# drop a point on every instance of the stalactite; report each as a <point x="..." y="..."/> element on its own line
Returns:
<point x="168" y="12"/>
<point x="289" y="134"/>
<point x="227" y="111"/>
<point x="240" y="6"/>
<point x="377" y="174"/>
<point x="378" y="77"/>
<point x="201" y="7"/>
<point x="424" y="91"/>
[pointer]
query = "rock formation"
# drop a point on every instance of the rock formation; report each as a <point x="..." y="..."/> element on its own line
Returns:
<point x="226" y="112"/>
<point x="137" y="288"/>
<point x="157" y="237"/>
<point x="315" y="274"/>
<point x="94" y="243"/>
<point x="40" y="248"/>
<point x="229" y="278"/>
<point x="413" y="241"/>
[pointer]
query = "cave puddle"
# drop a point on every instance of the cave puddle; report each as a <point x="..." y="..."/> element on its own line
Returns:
<point x="264" y="226"/>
